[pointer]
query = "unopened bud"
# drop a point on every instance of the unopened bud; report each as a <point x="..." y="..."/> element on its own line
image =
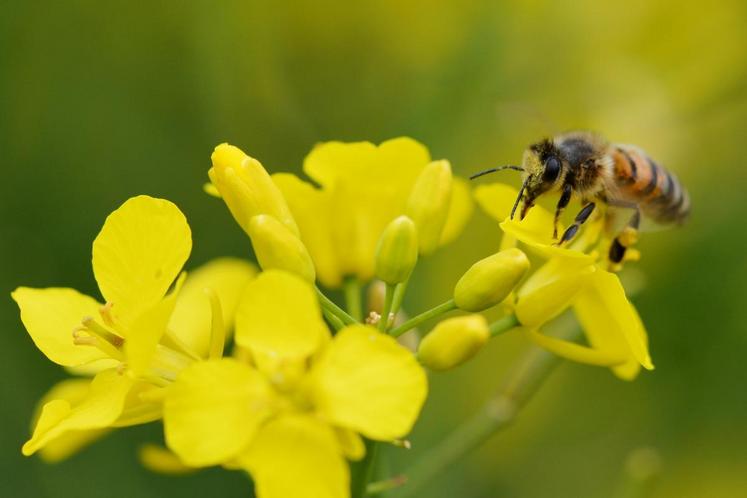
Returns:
<point x="428" y="204"/>
<point x="247" y="188"/>
<point x="490" y="280"/>
<point x="277" y="247"/>
<point x="397" y="251"/>
<point x="453" y="341"/>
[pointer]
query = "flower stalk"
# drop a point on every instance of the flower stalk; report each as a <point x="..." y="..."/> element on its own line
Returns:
<point x="413" y="322"/>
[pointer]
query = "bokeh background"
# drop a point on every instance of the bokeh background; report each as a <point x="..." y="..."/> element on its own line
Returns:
<point x="102" y="101"/>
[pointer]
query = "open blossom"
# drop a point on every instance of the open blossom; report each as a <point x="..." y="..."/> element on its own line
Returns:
<point x="574" y="277"/>
<point x="363" y="187"/>
<point x="294" y="408"/>
<point x="140" y="339"/>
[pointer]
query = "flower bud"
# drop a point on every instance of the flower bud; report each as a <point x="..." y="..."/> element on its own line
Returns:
<point x="428" y="204"/>
<point x="490" y="280"/>
<point x="453" y="341"/>
<point x="247" y="189"/>
<point x="277" y="247"/>
<point x="397" y="251"/>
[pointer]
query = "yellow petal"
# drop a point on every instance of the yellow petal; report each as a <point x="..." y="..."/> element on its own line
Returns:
<point x="192" y="317"/>
<point x="577" y="352"/>
<point x="246" y="187"/>
<point x="399" y="160"/>
<point x="213" y="411"/>
<point x="550" y="291"/>
<point x="312" y="209"/>
<point x="610" y="322"/>
<point x="102" y="405"/>
<point x="428" y="204"/>
<point x="279" y="317"/>
<point x="496" y="199"/>
<point x="367" y="382"/>
<point x="147" y="330"/>
<point x="94" y="367"/>
<point x="138" y="254"/>
<point x="162" y="461"/>
<point x="50" y="315"/>
<point x="351" y="444"/>
<point x="460" y="211"/>
<point x="73" y="391"/>
<point x="297" y="456"/>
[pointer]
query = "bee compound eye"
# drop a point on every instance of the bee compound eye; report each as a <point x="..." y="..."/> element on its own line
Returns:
<point x="552" y="169"/>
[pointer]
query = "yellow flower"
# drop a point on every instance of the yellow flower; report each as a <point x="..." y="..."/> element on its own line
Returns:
<point x="139" y="340"/>
<point x="573" y="277"/>
<point x="296" y="409"/>
<point x="363" y="188"/>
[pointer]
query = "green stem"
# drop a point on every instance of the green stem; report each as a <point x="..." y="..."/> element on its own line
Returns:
<point x="333" y="320"/>
<point x="379" y="487"/>
<point x="503" y="325"/>
<point x="399" y="295"/>
<point x="330" y="306"/>
<point x="352" y="290"/>
<point x="388" y="298"/>
<point x="426" y="315"/>
<point x="363" y="471"/>
<point x="525" y="378"/>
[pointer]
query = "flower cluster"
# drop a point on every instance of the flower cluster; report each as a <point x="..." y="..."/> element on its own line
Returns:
<point x="307" y="386"/>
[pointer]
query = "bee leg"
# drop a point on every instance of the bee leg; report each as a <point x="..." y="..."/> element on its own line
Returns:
<point x="565" y="198"/>
<point x="581" y="217"/>
<point x="626" y="238"/>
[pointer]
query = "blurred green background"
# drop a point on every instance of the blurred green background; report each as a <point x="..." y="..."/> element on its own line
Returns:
<point x="102" y="101"/>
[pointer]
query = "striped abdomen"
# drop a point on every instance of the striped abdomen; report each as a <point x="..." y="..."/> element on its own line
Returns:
<point x="639" y="179"/>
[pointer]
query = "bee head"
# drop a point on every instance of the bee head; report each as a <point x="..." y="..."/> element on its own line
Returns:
<point x="543" y="171"/>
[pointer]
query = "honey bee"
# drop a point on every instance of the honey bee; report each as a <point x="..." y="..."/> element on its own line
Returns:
<point x="585" y="166"/>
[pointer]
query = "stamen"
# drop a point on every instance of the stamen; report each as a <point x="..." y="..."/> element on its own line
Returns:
<point x="83" y="340"/>
<point x="92" y="326"/>
<point x="106" y="314"/>
<point x="373" y="318"/>
<point x="402" y="443"/>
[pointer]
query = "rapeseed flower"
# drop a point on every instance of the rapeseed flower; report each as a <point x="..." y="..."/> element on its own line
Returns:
<point x="293" y="406"/>
<point x="138" y="341"/>
<point x="574" y="277"/>
<point x="363" y="187"/>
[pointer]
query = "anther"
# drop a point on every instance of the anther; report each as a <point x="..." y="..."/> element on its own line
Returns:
<point x="373" y="318"/>
<point x="106" y="314"/>
<point x="402" y="443"/>
<point x="83" y="340"/>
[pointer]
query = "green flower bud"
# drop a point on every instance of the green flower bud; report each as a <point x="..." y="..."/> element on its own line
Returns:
<point x="428" y="204"/>
<point x="490" y="280"/>
<point x="277" y="247"/>
<point x="397" y="251"/>
<point x="453" y="341"/>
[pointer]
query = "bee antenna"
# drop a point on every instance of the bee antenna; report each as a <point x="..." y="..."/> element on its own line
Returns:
<point x="493" y="170"/>
<point x="518" y="197"/>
